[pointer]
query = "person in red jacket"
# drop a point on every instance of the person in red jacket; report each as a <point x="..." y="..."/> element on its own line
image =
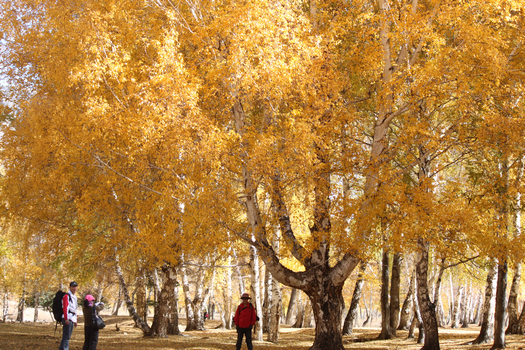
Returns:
<point x="244" y="319"/>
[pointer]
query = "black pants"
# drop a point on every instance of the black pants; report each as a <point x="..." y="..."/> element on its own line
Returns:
<point x="240" y="333"/>
<point x="90" y="338"/>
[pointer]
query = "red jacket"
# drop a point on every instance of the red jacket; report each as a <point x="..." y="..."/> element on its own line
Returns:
<point x="245" y="316"/>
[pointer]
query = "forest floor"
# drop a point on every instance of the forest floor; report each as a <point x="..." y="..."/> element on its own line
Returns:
<point x="41" y="336"/>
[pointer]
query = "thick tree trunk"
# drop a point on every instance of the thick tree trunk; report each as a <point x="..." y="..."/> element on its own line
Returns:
<point x="350" y="318"/>
<point x="408" y="306"/>
<point x="394" y="293"/>
<point x="139" y="322"/>
<point x="426" y="307"/>
<point x="486" y="333"/>
<point x="512" y="307"/>
<point x="291" y="305"/>
<point x="327" y="305"/>
<point x="499" y="315"/>
<point x="163" y="306"/>
<point x="386" y="331"/>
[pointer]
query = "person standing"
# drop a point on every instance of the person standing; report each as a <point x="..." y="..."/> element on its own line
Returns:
<point x="244" y="320"/>
<point x="69" y="315"/>
<point x="90" y="331"/>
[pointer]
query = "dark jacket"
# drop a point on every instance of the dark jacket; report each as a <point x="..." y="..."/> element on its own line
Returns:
<point x="88" y="315"/>
<point x="245" y="316"/>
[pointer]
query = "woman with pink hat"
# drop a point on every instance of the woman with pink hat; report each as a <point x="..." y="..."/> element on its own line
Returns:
<point x="90" y="331"/>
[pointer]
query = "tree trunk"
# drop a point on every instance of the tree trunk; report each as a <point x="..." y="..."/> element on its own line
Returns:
<point x="5" y="306"/>
<point x="256" y="291"/>
<point x="456" y="310"/>
<point x="227" y="296"/>
<point x="300" y="313"/>
<point x="437" y="295"/>
<point x="499" y="315"/>
<point x="464" y="309"/>
<point x="512" y="307"/>
<point x="274" y="321"/>
<point x="37" y="305"/>
<point x="118" y="302"/>
<point x="394" y="293"/>
<point x="173" y="325"/>
<point x="350" y="318"/>
<point x="163" y="306"/>
<point x="275" y="313"/>
<point x="386" y="331"/>
<point x="242" y="287"/>
<point x="408" y="306"/>
<point x="21" y="305"/>
<point x="327" y="302"/>
<point x="427" y="309"/>
<point x="486" y="333"/>
<point x="267" y="304"/>
<point x="139" y="322"/>
<point x="141" y="297"/>
<point x="291" y="304"/>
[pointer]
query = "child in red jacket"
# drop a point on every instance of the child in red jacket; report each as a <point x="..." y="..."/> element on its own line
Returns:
<point x="244" y="319"/>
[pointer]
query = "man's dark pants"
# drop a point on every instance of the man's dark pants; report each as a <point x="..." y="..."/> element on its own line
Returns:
<point x="67" y="330"/>
<point x="248" y="333"/>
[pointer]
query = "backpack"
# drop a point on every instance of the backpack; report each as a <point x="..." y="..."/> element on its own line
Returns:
<point x="57" y="305"/>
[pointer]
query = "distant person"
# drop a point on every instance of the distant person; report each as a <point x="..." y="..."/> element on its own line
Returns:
<point x="90" y="310"/>
<point x="69" y="315"/>
<point x="244" y="320"/>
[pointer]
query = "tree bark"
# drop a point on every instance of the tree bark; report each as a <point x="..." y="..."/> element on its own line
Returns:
<point x="406" y="309"/>
<point x="256" y="291"/>
<point x="173" y="325"/>
<point x="5" y="306"/>
<point x="464" y="308"/>
<point x="275" y="313"/>
<point x="139" y="322"/>
<point x="456" y="310"/>
<point x="37" y="305"/>
<point x="426" y="307"/>
<point x="350" y="318"/>
<point x="394" y="293"/>
<point x="21" y="304"/>
<point x="141" y="297"/>
<point x="386" y="331"/>
<point x="500" y="314"/>
<point x="118" y="302"/>
<point x="163" y="306"/>
<point x="300" y="313"/>
<point x="486" y="333"/>
<point x="291" y="305"/>
<point x="512" y="307"/>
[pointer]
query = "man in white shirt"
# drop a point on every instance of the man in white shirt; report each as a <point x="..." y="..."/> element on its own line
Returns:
<point x="69" y="315"/>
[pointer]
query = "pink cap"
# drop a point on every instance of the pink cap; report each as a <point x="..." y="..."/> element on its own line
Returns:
<point x="89" y="297"/>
